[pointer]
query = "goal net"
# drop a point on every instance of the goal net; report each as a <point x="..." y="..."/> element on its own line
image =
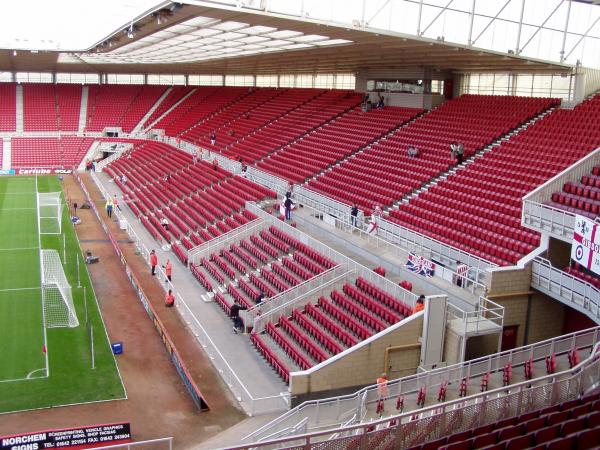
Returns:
<point x="59" y="310"/>
<point x="49" y="212"/>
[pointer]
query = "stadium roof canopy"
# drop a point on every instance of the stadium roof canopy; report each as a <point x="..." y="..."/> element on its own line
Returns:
<point x="209" y="37"/>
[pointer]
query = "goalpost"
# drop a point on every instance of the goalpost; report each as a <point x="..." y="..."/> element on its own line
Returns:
<point x="59" y="310"/>
<point x="50" y="212"/>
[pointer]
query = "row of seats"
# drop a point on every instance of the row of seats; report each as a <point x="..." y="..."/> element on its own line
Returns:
<point x="64" y="152"/>
<point x="334" y="141"/>
<point x="573" y="425"/>
<point x="327" y="326"/>
<point x="51" y="107"/>
<point x="473" y="120"/>
<point x="498" y="181"/>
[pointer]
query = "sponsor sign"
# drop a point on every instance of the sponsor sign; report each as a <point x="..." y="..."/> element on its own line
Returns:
<point x="41" y="171"/>
<point x="7" y="172"/>
<point x="86" y="437"/>
<point x="586" y="244"/>
<point x="420" y="265"/>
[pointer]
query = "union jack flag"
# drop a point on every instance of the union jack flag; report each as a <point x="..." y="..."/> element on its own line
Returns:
<point x="420" y="265"/>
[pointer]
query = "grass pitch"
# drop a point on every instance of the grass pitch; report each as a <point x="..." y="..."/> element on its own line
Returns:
<point x="29" y="377"/>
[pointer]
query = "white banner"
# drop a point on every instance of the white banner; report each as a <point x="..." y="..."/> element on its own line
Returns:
<point x="586" y="244"/>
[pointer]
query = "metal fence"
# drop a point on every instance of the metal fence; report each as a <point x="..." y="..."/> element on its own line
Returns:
<point x="273" y="182"/>
<point x="572" y="291"/>
<point x="545" y="218"/>
<point x="332" y="412"/>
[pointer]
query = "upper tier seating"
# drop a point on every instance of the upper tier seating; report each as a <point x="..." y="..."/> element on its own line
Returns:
<point x="487" y="193"/>
<point x="8" y="99"/>
<point x="573" y="425"/>
<point x="176" y="94"/>
<point x="291" y="116"/>
<point x="51" y="107"/>
<point x="234" y="121"/>
<point x="119" y="105"/>
<point x="199" y="202"/>
<point x="63" y="152"/>
<point x="203" y="103"/>
<point x="334" y="141"/>
<point x="388" y="173"/>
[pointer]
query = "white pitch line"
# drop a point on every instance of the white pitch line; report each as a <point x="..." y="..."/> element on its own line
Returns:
<point x="18" y="209"/>
<point x="30" y="377"/>
<point x="19" y="289"/>
<point x="16" y="249"/>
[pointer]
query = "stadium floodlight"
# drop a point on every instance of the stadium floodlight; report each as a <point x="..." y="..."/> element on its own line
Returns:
<point x="59" y="310"/>
<point x="50" y="212"/>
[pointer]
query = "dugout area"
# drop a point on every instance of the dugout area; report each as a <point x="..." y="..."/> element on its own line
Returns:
<point x="43" y="366"/>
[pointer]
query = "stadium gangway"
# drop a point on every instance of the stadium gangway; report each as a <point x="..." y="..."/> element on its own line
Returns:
<point x="566" y="288"/>
<point x="411" y="240"/>
<point x="546" y="219"/>
<point x="475" y="278"/>
<point x="268" y="180"/>
<point x="331" y="413"/>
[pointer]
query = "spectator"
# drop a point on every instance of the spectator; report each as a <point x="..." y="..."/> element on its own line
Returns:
<point x="213" y="138"/>
<point x="457" y="150"/>
<point x="354" y="215"/>
<point x="109" y="207"/>
<point x="290" y="190"/>
<point x="153" y="262"/>
<point x="375" y="220"/>
<point x="169" y="299"/>
<point x="382" y="382"/>
<point x="123" y="179"/>
<point x="260" y="297"/>
<point x="413" y="152"/>
<point x="234" y="313"/>
<point x="165" y="223"/>
<point x="288" y="204"/>
<point x="420" y="305"/>
<point x="116" y="202"/>
<point x="381" y="102"/>
<point x="168" y="269"/>
<point x="215" y="164"/>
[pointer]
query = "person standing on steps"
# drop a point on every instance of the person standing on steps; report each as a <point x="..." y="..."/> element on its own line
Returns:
<point x="234" y="313"/>
<point x="213" y="138"/>
<point x="168" y="269"/>
<point x="288" y="208"/>
<point x="354" y="216"/>
<point x="109" y="207"/>
<point x="153" y="262"/>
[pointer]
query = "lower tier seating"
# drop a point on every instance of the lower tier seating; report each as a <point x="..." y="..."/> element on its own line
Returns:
<point x="63" y="152"/>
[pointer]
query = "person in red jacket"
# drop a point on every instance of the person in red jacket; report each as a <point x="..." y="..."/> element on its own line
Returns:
<point x="169" y="299"/>
<point x="168" y="269"/>
<point x="153" y="261"/>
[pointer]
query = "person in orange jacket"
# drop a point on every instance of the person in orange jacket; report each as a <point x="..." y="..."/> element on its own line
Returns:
<point x="153" y="262"/>
<point x="169" y="299"/>
<point x="168" y="269"/>
<point x="420" y="305"/>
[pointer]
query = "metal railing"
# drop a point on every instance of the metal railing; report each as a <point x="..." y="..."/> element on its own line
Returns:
<point x="566" y="288"/>
<point x="205" y="249"/>
<point x="252" y="405"/>
<point x="473" y="281"/>
<point x="330" y="413"/>
<point x="297" y="297"/>
<point x="437" y="421"/>
<point x="268" y="180"/>
<point x="545" y="218"/>
<point x="488" y="317"/>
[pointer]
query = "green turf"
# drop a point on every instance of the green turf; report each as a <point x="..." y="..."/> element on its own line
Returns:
<point x="71" y="378"/>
